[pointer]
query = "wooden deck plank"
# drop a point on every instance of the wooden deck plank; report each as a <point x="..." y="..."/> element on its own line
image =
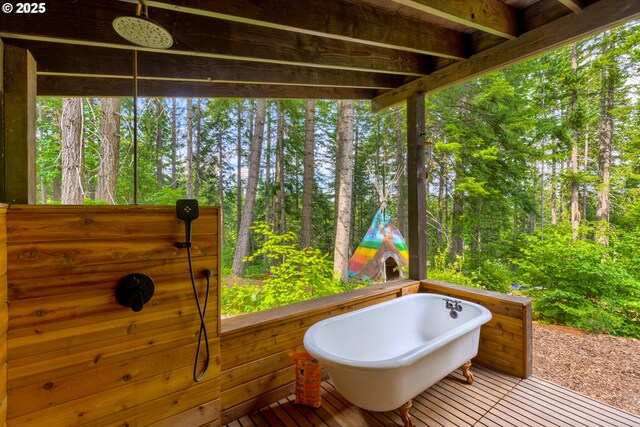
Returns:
<point x="566" y="405"/>
<point x="584" y="401"/>
<point x="293" y="412"/>
<point x="282" y="415"/>
<point x="523" y="414"/>
<point x="535" y="403"/>
<point x="534" y="409"/>
<point x="449" y="411"/>
<point x="307" y="412"/>
<point x="562" y="405"/>
<point x="258" y="419"/>
<point x="493" y="400"/>
<point x="361" y="414"/>
<point x="246" y="421"/>
<point x="492" y="419"/>
<point x="270" y="417"/>
<point x="434" y="415"/>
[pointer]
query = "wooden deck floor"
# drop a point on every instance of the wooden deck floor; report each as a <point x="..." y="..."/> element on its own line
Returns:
<point x="494" y="399"/>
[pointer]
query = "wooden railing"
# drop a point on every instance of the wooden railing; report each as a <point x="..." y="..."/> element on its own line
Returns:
<point x="505" y="341"/>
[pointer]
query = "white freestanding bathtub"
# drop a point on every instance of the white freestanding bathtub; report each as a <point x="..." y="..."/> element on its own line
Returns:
<point x="381" y="357"/>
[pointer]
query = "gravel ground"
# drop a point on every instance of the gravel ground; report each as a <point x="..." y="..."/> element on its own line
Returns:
<point x="603" y="367"/>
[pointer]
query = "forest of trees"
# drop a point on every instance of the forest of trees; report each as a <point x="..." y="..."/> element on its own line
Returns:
<point x="533" y="180"/>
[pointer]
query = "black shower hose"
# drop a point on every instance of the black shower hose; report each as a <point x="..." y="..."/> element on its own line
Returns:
<point x="202" y="310"/>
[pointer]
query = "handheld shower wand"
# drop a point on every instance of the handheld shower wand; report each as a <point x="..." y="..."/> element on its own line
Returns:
<point x="187" y="210"/>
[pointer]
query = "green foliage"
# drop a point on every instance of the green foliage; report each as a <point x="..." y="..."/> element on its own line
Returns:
<point x="451" y="273"/>
<point x="295" y="274"/>
<point x="580" y="282"/>
<point x="239" y="298"/>
<point x="493" y="275"/>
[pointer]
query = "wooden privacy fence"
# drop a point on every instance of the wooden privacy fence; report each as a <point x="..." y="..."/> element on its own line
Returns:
<point x="75" y="356"/>
<point x="70" y="355"/>
<point x="505" y="341"/>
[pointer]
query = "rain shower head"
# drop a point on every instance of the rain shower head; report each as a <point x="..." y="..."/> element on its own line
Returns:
<point x="142" y="31"/>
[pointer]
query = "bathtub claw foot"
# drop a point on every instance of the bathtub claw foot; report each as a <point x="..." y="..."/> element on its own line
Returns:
<point x="466" y="371"/>
<point x="404" y="414"/>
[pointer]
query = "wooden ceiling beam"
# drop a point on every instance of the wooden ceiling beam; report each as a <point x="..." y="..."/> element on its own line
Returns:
<point x="90" y="23"/>
<point x="71" y="86"/>
<point x="574" y="5"/>
<point x="491" y="16"/>
<point x="64" y="59"/>
<point x="334" y="19"/>
<point x="594" y="19"/>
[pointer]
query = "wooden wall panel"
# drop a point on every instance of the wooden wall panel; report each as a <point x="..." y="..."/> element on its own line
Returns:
<point x="505" y="341"/>
<point x="75" y="356"/>
<point x="257" y="368"/>
<point x="3" y="303"/>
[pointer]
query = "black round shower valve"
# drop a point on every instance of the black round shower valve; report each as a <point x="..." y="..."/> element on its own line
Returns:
<point x="134" y="291"/>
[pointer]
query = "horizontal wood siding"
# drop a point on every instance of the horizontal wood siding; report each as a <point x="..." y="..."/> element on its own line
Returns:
<point x="505" y="341"/>
<point x="257" y="368"/>
<point x="75" y="356"/>
<point x="3" y="306"/>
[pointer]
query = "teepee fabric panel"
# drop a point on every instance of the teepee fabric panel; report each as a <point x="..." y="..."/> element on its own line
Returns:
<point x="381" y="241"/>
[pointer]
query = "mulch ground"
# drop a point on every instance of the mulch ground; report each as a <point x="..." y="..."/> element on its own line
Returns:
<point x="603" y="367"/>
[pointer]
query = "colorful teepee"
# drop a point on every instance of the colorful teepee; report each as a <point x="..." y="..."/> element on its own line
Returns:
<point x="382" y="250"/>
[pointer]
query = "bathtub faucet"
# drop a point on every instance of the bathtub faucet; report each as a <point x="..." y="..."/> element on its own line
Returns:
<point x="454" y="306"/>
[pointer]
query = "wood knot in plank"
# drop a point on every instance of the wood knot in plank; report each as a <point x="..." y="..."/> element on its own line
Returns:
<point x="30" y="254"/>
<point x="86" y="221"/>
<point x="48" y="386"/>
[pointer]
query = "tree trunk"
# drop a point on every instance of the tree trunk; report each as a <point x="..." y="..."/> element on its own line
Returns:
<point x="255" y="153"/>
<point x="441" y="202"/>
<point x="56" y="189"/>
<point x="159" y="165"/>
<point x="221" y="184"/>
<point x="174" y="145"/>
<point x="554" y="192"/>
<point x="356" y="145"/>
<point x="307" y="180"/>
<point x="604" y="158"/>
<point x="239" y="167"/>
<point x="585" y="169"/>
<point x="189" y="148"/>
<point x="457" y="241"/>
<point x="43" y="191"/>
<point x="72" y="152"/>
<point x="338" y="170"/>
<point x="542" y="187"/>
<point x="268" y="200"/>
<point x="400" y="163"/>
<point x="574" y="210"/>
<point x="344" y="137"/>
<point x="198" y="142"/>
<point x="109" y="149"/>
<point x="280" y="209"/>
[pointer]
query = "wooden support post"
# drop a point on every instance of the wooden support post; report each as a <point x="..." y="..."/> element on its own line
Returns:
<point x="417" y="192"/>
<point x="18" y="140"/>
